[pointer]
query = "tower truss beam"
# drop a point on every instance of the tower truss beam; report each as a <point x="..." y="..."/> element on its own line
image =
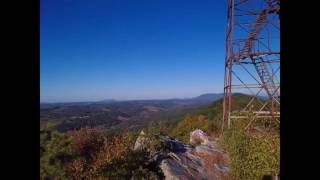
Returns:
<point x="252" y="46"/>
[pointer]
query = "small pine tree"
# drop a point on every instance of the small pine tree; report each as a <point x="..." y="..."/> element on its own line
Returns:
<point x="55" y="151"/>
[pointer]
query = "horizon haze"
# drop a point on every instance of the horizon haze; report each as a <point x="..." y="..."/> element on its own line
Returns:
<point x="142" y="99"/>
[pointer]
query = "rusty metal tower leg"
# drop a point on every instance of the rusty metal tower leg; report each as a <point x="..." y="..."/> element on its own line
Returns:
<point x="252" y="45"/>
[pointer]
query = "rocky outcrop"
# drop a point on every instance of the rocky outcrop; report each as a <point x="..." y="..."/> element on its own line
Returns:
<point x="202" y="160"/>
<point x="197" y="136"/>
<point x="140" y="142"/>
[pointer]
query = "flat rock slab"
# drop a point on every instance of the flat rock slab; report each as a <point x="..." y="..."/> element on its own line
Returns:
<point x="185" y="166"/>
<point x="204" y="161"/>
<point x="207" y="149"/>
<point x="221" y="167"/>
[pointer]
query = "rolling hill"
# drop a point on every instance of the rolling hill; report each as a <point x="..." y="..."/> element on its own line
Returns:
<point x="112" y="114"/>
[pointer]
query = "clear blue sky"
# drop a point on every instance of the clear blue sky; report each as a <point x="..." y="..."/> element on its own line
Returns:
<point x="131" y="49"/>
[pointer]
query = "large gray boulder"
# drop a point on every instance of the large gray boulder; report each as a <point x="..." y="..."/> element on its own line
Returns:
<point x="199" y="136"/>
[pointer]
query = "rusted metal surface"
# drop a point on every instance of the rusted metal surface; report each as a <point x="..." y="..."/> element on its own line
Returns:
<point x="252" y="61"/>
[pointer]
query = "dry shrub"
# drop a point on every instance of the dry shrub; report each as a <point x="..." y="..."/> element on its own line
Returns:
<point x="87" y="142"/>
<point x="98" y="157"/>
<point x="117" y="148"/>
<point x="92" y="156"/>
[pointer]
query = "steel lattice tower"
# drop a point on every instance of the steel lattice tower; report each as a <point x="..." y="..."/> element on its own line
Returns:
<point x="252" y="62"/>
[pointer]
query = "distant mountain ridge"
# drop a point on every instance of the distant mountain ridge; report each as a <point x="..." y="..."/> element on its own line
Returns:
<point x="204" y="98"/>
<point x="209" y="97"/>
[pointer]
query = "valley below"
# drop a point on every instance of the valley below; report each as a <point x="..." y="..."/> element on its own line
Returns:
<point x="117" y="116"/>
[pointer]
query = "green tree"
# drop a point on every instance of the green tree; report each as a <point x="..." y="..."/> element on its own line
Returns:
<point x="55" y="151"/>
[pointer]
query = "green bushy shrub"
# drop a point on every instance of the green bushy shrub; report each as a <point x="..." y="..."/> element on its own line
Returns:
<point x="189" y="124"/>
<point x="253" y="154"/>
<point x="55" y="152"/>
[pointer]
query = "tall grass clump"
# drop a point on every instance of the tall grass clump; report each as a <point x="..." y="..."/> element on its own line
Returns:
<point x="253" y="153"/>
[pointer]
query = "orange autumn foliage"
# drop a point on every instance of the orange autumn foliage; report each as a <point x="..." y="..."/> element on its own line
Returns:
<point x="94" y="152"/>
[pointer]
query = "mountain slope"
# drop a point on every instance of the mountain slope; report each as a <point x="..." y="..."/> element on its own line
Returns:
<point x="210" y="97"/>
<point x="206" y="117"/>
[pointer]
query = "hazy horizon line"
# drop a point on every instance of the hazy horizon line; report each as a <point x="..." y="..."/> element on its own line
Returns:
<point x="114" y="99"/>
